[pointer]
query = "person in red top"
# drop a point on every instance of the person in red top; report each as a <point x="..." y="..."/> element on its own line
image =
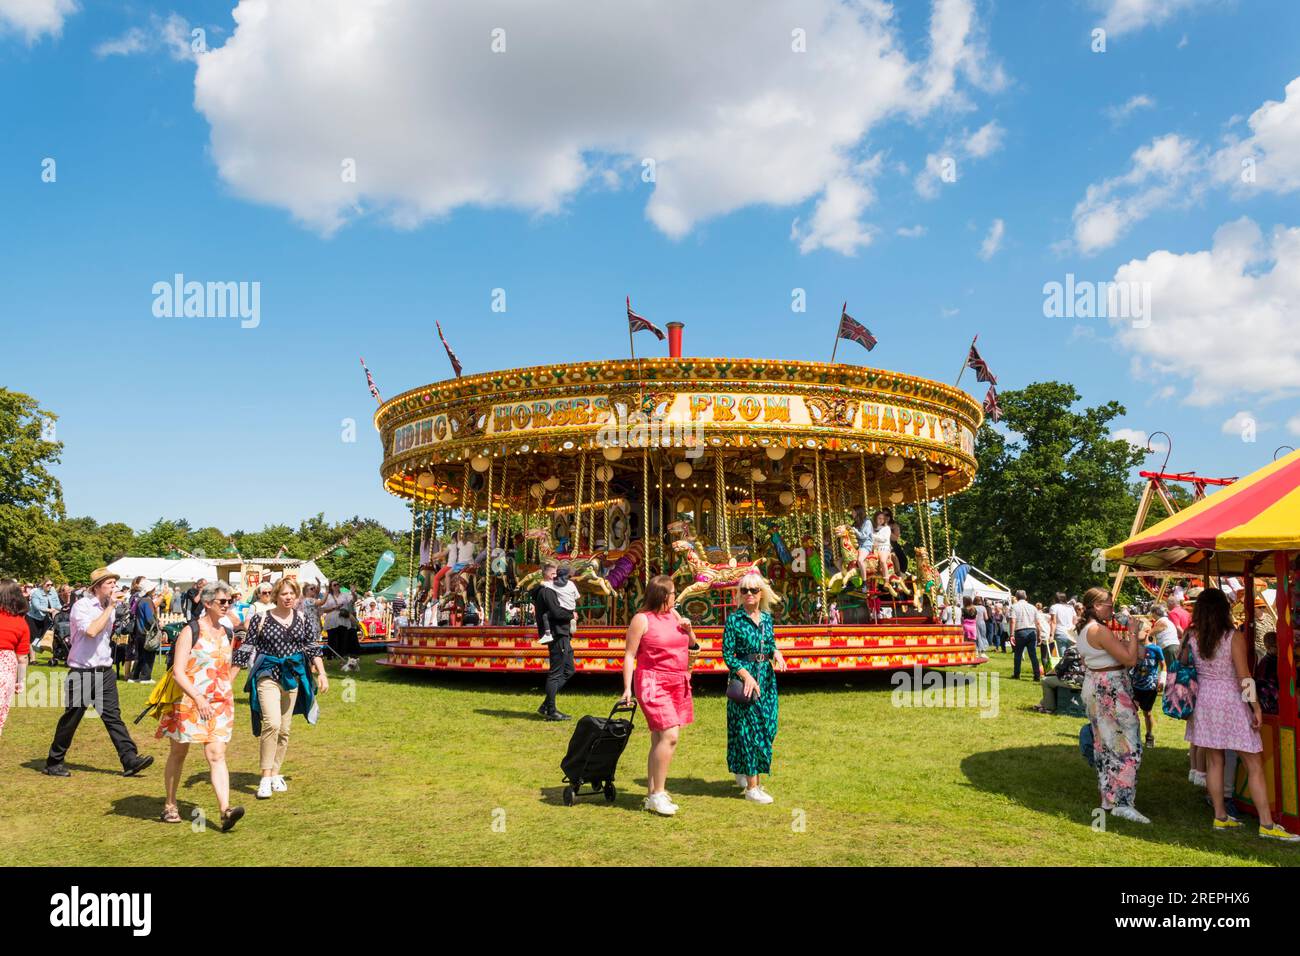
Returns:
<point x="656" y="668"/>
<point x="15" y="643"/>
<point x="1178" y="614"/>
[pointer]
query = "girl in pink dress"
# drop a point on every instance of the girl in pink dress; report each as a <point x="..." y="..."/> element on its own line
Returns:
<point x="1227" y="714"/>
<point x="656" y="669"/>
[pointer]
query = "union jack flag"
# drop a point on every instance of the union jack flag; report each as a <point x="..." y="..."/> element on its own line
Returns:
<point x="639" y="323"/>
<point x="981" y="367"/>
<point x="455" y="362"/>
<point x="855" y="331"/>
<point x="991" y="407"/>
<point x="371" y="382"/>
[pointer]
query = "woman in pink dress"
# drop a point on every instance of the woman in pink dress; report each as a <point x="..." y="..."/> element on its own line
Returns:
<point x="658" y="643"/>
<point x="1227" y="714"/>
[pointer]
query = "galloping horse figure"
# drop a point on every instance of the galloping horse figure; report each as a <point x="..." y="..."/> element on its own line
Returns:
<point x="709" y="577"/>
<point x="584" y="570"/>
<point x="838" y="581"/>
<point x="926" y="582"/>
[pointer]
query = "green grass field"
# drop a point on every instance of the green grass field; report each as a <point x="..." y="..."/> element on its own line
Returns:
<point x="455" y="769"/>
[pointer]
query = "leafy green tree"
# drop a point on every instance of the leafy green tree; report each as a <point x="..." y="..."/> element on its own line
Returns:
<point x="31" y="499"/>
<point x="161" y="538"/>
<point x="1053" y="490"/>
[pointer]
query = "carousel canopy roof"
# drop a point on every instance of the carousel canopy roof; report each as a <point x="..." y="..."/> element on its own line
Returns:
<point x="1257" y="514"/>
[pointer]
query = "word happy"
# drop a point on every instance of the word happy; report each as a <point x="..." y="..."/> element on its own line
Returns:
<point x="209" y="300"/>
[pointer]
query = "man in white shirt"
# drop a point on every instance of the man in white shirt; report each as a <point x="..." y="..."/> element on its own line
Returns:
<point x="1024" y="629"/>
<point x="1063" y="622"/>
<point x="91" y="682"/>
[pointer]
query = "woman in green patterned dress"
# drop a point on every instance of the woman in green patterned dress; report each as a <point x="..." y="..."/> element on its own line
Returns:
<point x="750" y="651"/>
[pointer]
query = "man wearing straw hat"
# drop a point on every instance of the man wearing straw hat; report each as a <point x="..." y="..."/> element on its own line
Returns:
<point x="90" y="679"/>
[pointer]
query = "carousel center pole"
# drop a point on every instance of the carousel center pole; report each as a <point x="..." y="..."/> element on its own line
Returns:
<point x="821" y="551"/>
<point x="645" y="514"/>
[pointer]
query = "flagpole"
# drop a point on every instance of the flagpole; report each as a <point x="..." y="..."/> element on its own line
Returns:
<point x="630" y="344"/>
<point x="966" y="362"/>
<point x="839" y="327"/>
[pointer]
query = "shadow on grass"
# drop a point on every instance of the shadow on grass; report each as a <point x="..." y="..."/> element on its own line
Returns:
<point x="1054" y="779"/>
<point x="511" y="714"/>
<point x="145" y="807"/>
<point x="241" y="781"/>
<point x="38" y="764"/>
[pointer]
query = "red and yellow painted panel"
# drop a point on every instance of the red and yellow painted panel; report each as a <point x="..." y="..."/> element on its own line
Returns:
<point x="810" y="648"/>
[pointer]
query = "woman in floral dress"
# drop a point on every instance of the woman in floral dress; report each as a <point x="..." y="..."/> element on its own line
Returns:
<point x="1227" y="714"/>
<point x="750" y="652"/>
<point x="206" y="713"/>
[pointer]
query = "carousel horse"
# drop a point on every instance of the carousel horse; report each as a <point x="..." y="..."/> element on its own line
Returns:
<point x="926" y="581"/>
<point x="584" y="570"/>
<point x="837" y="582"/>
<point x="709" y="577"/>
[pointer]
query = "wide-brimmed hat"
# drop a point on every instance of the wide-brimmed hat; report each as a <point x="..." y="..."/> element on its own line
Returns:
<point x="101" y="575"/>
<point x="147" y="588"/>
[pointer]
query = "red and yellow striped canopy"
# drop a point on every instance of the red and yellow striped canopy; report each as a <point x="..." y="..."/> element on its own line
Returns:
<point x="1259" y="513"/>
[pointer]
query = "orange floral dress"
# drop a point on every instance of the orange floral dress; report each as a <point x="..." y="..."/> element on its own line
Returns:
<point x="209" y="671"/>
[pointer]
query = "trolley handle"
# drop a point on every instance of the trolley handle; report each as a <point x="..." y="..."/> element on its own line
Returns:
<point x="620" y="707"/>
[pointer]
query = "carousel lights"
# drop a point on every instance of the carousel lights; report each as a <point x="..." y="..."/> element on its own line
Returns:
<point x="604" y="473"/>
<point x="757" y="474"/>
<point x="786" y="498"/>
<point x="447" y="497"/>
<point x="776" y="452"/>
<point x="893" y="464"/>
<point x="536" y="489"/>
<point x="933" y="481"/>
<point x="551" y="483"/>
<point x="683" y="470"/>
<point x="896" y="497"/>
<point x="612" y="452"/>
<point x="480" y="463"/>
<point x="425" y="479"/>
<point x="805" y="481"/>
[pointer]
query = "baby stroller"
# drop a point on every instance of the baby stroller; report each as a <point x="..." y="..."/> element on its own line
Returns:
<point x="62" y="637"/>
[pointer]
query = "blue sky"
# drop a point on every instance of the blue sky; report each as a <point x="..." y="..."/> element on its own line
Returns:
<point x="529" y="179"/>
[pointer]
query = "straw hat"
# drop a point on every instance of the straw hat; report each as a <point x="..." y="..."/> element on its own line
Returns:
<point x="101" y="575"/>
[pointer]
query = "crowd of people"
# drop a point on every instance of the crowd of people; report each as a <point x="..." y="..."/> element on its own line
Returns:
<point x="276" y="638"/>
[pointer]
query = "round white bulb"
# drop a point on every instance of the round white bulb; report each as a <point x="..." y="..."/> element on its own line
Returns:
<point x="757" y="474"/>
<point x="612" y="453"/>
<point x="536" y="489"/>
<point x="551" y="483"/>
<point x="805" y="482"/>
<point x="479" y="463"/>
<point x="786" y="498"/>
<point x="683" y="470"/>
<point x="776" y="452"/>
<point x="933" y="481"/>
<point x="424" y="480"/>
<point x="894" y="464"/>
<point x="896" y="497"/>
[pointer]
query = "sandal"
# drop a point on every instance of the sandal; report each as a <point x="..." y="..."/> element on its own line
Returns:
<point x="230" y="818"/>
<point x="170" y="815"/>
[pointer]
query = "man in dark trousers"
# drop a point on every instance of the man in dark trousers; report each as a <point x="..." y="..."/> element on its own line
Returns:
<point x="91" y="682"/>
<point x="554" y="627"/>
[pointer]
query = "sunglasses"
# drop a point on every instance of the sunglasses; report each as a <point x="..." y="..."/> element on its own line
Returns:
<point x="221" y="602"/>
<point x="750" y="590"/>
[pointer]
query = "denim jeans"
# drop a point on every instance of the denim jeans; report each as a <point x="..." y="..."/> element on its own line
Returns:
<point x="1026" y="640"/>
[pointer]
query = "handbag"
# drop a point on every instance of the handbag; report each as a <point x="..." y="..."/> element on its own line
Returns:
<point x="1179" y="698"/>
<point x="736" y="692"/>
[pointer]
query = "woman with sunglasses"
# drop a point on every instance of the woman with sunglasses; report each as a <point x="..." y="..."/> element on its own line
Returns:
<point x="656" y="668"/>
<point x="286" y="643"/>
<point x="750" y="652"/>
<point x="1108" y="694"/>
<point x="206" y="714"/>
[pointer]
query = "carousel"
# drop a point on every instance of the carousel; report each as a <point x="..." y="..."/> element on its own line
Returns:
<point x="703" y="468"/>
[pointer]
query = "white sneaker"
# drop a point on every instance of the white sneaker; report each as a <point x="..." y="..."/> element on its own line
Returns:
<point x="148" y="682"/>
<point x="264" y="789"/>
<point x="758" y="795"/>
<point x="1197" y="777"/>
<point x="278" y="785"/>
<point x="544" y="639"/>
<point x="660" y="804"/>
<point x="671" y="802"/>
<point x="742" y="781"/>
<point x="1129" y="813"/>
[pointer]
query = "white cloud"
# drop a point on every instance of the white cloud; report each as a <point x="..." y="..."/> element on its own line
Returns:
<point x="836" y="222"/>
<point x="1172" y="170"/>
<point x="1222" y="319"/>
<point x="993" y="240"/>
<point x="35" y="18"/>
<point x="948" y="313"/>
<point x="1138" y="439"/>
<point x="434" y="120"/>
<point x="1118" y="114"/>
<point x="1242" y="423"/>
<point x="944" y="165"/>
<point x="1126" y="16"/>
<point x="1293" y="425"/>
<point x="171" y="34"/>
<point x="985" y="141"/>
<point x="911" y="232"/>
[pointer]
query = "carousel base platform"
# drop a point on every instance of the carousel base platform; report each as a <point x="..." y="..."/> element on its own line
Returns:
<point x="809" y="648"/>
